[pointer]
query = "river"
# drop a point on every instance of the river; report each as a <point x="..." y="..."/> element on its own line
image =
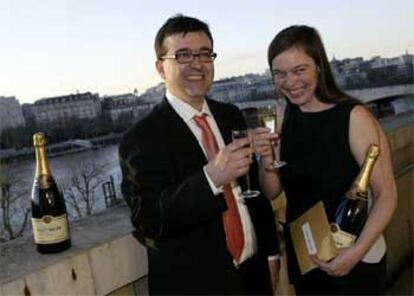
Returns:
<point x="63" y="168"/>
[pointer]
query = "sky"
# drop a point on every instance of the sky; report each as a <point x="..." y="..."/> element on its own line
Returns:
<point x="55" y="47"/>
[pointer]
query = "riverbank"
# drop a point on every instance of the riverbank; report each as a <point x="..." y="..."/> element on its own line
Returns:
<point x="63" y="148"/>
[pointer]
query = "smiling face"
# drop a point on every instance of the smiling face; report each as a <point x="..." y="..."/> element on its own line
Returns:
<point x="295" y="75"/>
<point x="188" y="82"/>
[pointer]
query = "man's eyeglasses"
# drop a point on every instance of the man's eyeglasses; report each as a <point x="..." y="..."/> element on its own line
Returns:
<point x="187" y="57"/>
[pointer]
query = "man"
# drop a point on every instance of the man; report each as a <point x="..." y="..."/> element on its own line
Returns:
<point x="180" y="171"/>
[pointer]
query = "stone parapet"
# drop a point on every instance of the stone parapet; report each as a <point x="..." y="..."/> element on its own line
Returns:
<point x="104" y="257"/>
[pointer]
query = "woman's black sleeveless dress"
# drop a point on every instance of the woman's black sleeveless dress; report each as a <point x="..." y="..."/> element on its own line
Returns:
<point x="320" y="166"/>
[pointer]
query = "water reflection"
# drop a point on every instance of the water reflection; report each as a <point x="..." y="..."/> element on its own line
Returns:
<point x="63" y="169"/>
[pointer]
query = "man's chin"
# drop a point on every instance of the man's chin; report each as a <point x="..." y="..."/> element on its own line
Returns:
<point x="197" y="93"/>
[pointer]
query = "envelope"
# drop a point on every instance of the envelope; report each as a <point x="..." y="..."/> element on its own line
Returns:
<point x="311" y="235"/>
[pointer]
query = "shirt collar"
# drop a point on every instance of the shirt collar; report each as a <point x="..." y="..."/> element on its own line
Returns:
<point x="185" y="110"/>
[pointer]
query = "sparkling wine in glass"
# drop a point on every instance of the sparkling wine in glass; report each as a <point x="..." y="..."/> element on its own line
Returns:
<point x="271" y="117"/>
<point x="248" y="193"/>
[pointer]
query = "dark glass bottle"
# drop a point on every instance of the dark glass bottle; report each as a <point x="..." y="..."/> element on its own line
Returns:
<point x="49" y="217"/>
<point x="352" y="213"/>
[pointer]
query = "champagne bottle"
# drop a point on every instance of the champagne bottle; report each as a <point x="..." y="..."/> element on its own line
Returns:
<point x="49" y="218"/>
<point x="352" y="212"/>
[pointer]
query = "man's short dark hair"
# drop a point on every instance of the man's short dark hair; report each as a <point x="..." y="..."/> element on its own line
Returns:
<point x="178" y="24"/>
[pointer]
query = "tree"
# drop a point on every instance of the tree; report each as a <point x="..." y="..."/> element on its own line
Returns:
<point x="11" y="204"/>
<point x="18" y="137"/>
<point x="102" y="124"/>
<point x="81" y="186"/>
<point x="123" y="122"/>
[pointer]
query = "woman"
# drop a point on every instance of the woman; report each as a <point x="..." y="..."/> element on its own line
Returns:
<point x="325" y="136"/>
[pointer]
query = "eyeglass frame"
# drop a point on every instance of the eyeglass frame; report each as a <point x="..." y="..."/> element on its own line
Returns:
<point x="212" y="55"/>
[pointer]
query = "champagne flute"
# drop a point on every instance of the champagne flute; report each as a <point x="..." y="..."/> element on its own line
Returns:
<point x="248" y="193"/>
<point x="271" y="117"/>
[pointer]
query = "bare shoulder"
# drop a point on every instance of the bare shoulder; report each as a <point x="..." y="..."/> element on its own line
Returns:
<point x="364" y="130"/>
<point x="361" y="116"/>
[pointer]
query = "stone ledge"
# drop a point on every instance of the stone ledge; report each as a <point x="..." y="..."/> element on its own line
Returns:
<point x="98" y="262"/>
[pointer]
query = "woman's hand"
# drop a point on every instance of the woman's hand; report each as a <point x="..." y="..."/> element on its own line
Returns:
<point x="342" y="264"/>
<point x="262" y="141"/>
<point x="269" y="179"/>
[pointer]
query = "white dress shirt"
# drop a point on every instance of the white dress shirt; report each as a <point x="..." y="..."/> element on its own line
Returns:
<point x="187" y="113"/>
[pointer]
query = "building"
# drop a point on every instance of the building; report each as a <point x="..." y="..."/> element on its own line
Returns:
<point x="28" y="112"/>
<point x="229" y="90"/>
<point x="10" y="113"/>
<point x="128" y="105"/>
<point x="60" y="109"/>
<point x="120" y="105"/>
<point x="401" y="61"/>
<point x="356" y="73"/>
<point x="155" y="93"/>
<point x="249" y="87"/>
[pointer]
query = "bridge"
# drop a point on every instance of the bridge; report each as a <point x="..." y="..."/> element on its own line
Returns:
<point x="372" y="94"/>
<point x="366" y="95"/>
<point x="80" y="143"/>
<point x="71" y="146"/>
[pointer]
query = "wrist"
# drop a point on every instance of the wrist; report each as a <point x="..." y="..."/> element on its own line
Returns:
<point x="266" y="160"/>
<point x="215" y="189"/>
<point x="212" y="175"/>
<point x="359" y="250"/>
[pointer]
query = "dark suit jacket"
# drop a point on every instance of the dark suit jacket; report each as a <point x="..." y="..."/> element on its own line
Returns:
<point x="176" y="214"/>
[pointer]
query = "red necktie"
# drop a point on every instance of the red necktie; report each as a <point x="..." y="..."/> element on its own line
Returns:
<point x="231" y="218"/>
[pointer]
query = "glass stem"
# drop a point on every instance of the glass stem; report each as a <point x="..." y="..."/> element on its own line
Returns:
<point x="247" y="181"/>
<point x="274" y="150"/>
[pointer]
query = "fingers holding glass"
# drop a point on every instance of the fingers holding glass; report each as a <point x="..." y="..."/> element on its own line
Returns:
<point x="271" y="117"/>
<point x="262" y="142"/>
<point x="248" y="193"/>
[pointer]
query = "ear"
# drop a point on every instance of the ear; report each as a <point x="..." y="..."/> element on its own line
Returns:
<point x="160" y="68"/>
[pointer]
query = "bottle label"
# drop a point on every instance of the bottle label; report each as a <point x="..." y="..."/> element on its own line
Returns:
<point x="341" y="238"/>
<point x="309" y="240"/>
<point x="50" y="230"/>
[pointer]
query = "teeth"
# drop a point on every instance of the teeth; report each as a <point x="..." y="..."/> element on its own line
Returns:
<point x="295" y="91"/>
<point x="195" y="77"/>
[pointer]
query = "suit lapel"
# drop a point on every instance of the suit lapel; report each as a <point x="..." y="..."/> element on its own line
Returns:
<point x="223" y="122"/>
<point x="178" y="135"/>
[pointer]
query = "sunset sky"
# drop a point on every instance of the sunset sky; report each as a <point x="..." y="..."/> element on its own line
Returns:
<point x="54" y="47"/>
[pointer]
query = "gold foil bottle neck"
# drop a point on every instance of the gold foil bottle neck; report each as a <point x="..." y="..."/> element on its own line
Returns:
<point x="39" y="139"/>
<point x="361" y="183"/>
<point x="42" y="163"/>
<point x="373" y="151"/>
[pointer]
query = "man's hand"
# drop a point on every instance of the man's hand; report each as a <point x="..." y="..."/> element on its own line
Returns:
<point x="230" y="162"/>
